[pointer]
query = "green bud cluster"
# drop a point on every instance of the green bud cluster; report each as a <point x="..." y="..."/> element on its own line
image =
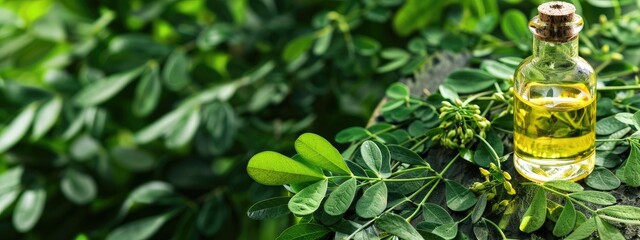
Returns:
<point x="460" y="122"/>
<point x="506" y="97"/>
<point x="496" y="183"/>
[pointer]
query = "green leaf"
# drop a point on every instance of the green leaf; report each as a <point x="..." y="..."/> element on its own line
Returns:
<point x="132" y="159"/>
<point x="323" y="42"/>
<point x="84" y="148"/>
<point x="175" y="73"/>
<point x="600" y="198"/>
<point x="147" y="93"/>
<point x="269" y="208"/>
<point x="371" y="155"/>
<point x="304" y="231"/>
<point x="469" y="80"/>
<point x="536" y="214"/>
<point x="498" y="69"/>
<point x="213" y="215"/>
<point x="398" y="91"/>
<point x="632" y="166"/>
<point x="483" y="156"/>
<point x="308" y="199"/>
<point x="515" y="28"/>
<point x="46" y="117"/>
<point x="101" y="91"/>
<point x="397" y="225"/>
<point x="478" y="210"/>
<point x="636" y="118"/>
<point x="296" y="47"/>
<point x="11" y="178"/>
<point x="151" y="192"/>
<point x="366" y="46"/>
<point x="340" y="199"/>
<point x="404" y="155"/>
<point x="607" y="231"/>
<point x="393" y="64"/>
<point x="417" y="14"/>
<point x="621" y="211"/>
<point x="29" y="208"/>
<point x="17" y="128"/>
<point x="459" y="198"/>
<point x="8" y="197"/>
<point x="433" y="213"/>
<point x="184" y="131"/>
<point x="564" y="185"/>
<point x="351" y="134"/>
<point x="584" y="230"/>
<point x="319" y="152"/>
<point x="373" y="201"/>
<point x="140" y="229"/>
<point x="390" y="105"/>
<point x="602" y="179"/>
<point x="609" y="4"/>
<point x="566" y="221"/>
<point x="212" y="36"/>
<point x="385" y="167"/>
<point x="78" y="187"/>
<point x="447" y="231"/>
<point x="272" y="168"/>
<point x="609" y="125"/>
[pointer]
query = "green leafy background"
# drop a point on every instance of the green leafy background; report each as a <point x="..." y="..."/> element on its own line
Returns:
<point x="136" y="119"/>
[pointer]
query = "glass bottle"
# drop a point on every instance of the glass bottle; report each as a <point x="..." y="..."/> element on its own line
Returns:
<point x="554" y="103"/>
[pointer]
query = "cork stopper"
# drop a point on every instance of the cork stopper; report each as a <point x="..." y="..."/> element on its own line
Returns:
<point x="556" y="22"/>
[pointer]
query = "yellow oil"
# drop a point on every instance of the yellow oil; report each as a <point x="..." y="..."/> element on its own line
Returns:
<point x="554" y="131"/>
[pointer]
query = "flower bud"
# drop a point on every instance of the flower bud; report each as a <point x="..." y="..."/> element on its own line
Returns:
<point x="616" y="56"/>
<point x="451" y="133"/>
<point x="585" y="51"/>
<point x="506" y="175"/>
<point x="605" y="48"/>
<point x="458" y="102"/>
<point x="484" y="172"/>
<point x="446" y="103"/>
<point x="603" y="19"/>
<point x="504" y="203"/>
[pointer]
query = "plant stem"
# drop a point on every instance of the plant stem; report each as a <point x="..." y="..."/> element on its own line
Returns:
<point x="617" y="88"/>
<point x="491" y="150"/>
<point x="424" y="199"/>
<point x="561" y="194"/>
<point x="496" y="226"/>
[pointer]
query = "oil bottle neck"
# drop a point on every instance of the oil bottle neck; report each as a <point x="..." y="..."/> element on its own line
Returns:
<point x="547" y="49"/>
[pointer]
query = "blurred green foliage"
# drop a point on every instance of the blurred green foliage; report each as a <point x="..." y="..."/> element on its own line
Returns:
<point x="135" y="119"/>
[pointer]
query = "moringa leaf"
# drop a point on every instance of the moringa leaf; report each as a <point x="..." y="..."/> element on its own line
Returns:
<point x="397" y="91"/>
<point x="272" y="168"/>
<point x="607" y="231"/>
<point x="609" y="125"/>
<point x="595" y="197"/>
<point x="566" y="221"/>
<point x="515" y="28"/>
<point x="29" y="208"/>
<point x="460" y="80"/>
<point x="602" y="179"/>
<point x="78" y="187"/>
<point x="621" y="211"/>
<point x="175" y="72"/>
<point x="584" y="230"/>
<point x="433" y="213"/>
<point x="447" y="231"/>
<point x="269" y="208"/>
<point x="478" y="210"/>
<point x="101" y="91"/>
<point x="148" y="93"/>
<point x="373" y="201"/>
<point x="46" y="117"/>
<point x="564" y="185"/>
<point x="632" y="166"/>
<point x="371" y="155"/>
<point x="535" y="215"/>
<point x="459" y="198"/>
<point x="397" y="225"/>
<point x="340" y="199"/>
<point x="319" y="152"/>
<point x="308" y="200"/>
<point x="17" y="128"/>
<point x="351" y="134"/>
<point x="140" y="229"/>
<point x="404" y="155"/>
<point x="304" y="231"/>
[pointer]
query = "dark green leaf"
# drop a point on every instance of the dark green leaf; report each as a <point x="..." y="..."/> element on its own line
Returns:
<point x="566" y="221"/>
<point x="340" y="199"/>
<point x="404" y="155"/>
<point x="304" y="231"/>
<point x="607" y="231"/>
<point x="184" y="131"/>
<point x="584" y="230"/>
<point x="398" y="226"/>
<point x="469" y="80"/>
<point x="621" y="211"/>
<point x="308" y="199"/>
<point x="416" y="14"/>
<point x="478" y="210"/>
<point x="498" y="69"/>
<point x="29" y="208"/>
<point x="78" y="187"/>
<point x="564" y="185"/>
<point x="296" y="47"/>
<point x="319" y="152"/>
<point x="366" y="46"/>
<point x="46" y="117"/>
<point x="323" y="42"/>
<point x="8" y="197"/>
<point x="536" y="214"/>
<point x="175" y="73"/>
<point x="84" y="148"/>
<point x="483" y="156"/>
<point x="132" y="159"/>
<point x="212" y="216"/>
<point x="351" y="134"/>
<point x="600" y="198"/>
<point x="373" y="201"/>
<point x="140" y="229"/>
<point x="13" y="132"/>
<point x="148" y="93"/>
<point x="602" y="179"/>
<point x="459" y="198"/>
<point x="632" y="166"/>
<point x="609" y="125"/>
<point x="447" y="231"/>
<point x="269" y="208"/>
<point x="212" y="36"/>
<point x="272" y="168"/>
<point x="371" y="155"/>
<point x="101" y="91"/>
<point x="433" y="213"/>
<point x="151" y="192"/>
